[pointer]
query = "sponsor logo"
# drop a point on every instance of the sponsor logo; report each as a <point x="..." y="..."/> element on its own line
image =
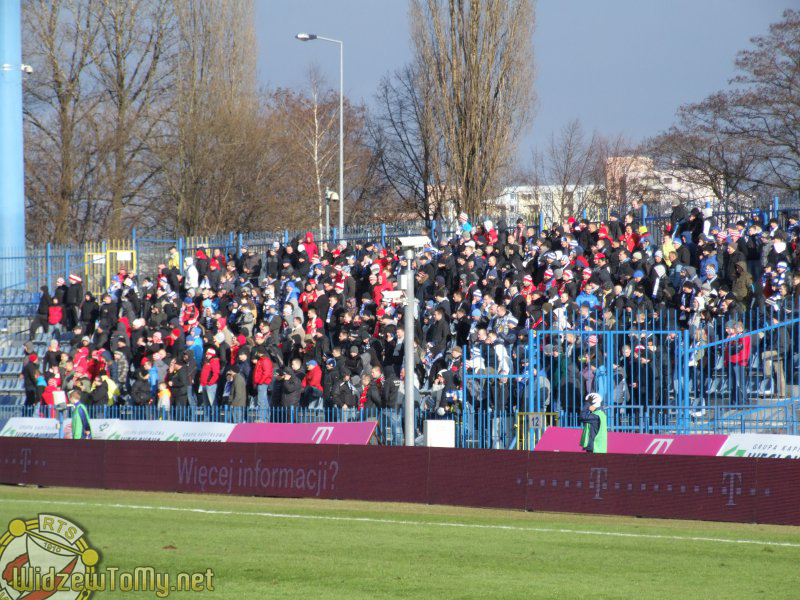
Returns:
<point x="657" y="444"/>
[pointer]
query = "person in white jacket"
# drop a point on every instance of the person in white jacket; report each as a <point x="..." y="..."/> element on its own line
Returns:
<point x="190" y="275"/>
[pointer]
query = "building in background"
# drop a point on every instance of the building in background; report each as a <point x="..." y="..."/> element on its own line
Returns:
<point x="634" y="181"/>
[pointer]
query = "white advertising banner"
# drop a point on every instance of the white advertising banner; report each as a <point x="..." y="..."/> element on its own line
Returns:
<point x="30" y="427"/>
<point x="162" y="431"/>
<point x="116" y="429"/>
<point x="761" y="445"/>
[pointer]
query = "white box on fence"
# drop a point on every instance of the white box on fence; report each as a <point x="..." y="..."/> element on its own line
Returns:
<point x="439" y="434"/>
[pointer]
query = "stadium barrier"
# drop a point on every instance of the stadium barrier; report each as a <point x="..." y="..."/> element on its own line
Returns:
<point x="747" y="490"/>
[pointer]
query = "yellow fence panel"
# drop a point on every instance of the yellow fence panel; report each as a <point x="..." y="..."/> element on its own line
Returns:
<point x="531" y="426"/>
<point x="104" y="259"/>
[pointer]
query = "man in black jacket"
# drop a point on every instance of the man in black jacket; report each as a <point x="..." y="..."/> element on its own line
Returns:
<point x="178" y="382"/>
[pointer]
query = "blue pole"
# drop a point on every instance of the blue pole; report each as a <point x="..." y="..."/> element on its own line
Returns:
<point x="532" y="379"/>
<point x="49" y="265"/>
<point x="66" y="263"/>
<point x="230" y="242"/>
<point x="775" y="207"/>
<point x="333" y="229"/>
<point x="180" y="253"/>
<point x="541" y="222"/>
<point x="383" y="235"/>
<point x="135" y="249"/>
<point x="12" y="187"/>
<point x="644" y="215"/>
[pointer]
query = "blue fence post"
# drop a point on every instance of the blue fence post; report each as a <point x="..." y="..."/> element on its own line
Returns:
<point x="684" y="419"/>
<point x="49" y="266"/>
<point x="434" y="232"/>
<point x="286" y="237"/>
<point x="644" y="215"/>
<point x="584" y="213"/>
<point x="533" y="378"/>
<point x="333" y="234"/>
<point x="608" y="399"/>
<point x="230" y="243"/>
<point x="135" y="243"/>
<point x="239" y="243"/>
<point x="776" y="204"/>
<point x="180" y="253"/>
<point x="383" y="235"/>
<point x="541" y="222"/>
<point x="66" y="263"/>
<point x="464" y="413"/>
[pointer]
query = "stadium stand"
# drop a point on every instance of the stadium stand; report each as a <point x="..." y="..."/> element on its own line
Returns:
<point x="684" y="323"/>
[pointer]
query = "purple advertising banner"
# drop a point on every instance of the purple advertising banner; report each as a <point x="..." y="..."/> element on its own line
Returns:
<point x="357" y="434"/>
<point x="562" y="439"/>
<point x="760" y="490"/>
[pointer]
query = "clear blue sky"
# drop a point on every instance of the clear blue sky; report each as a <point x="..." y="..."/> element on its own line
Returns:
<point x="621" y="66"/>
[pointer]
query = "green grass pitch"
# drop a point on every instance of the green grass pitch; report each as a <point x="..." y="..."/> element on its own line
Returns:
<point x="292" y="548"/>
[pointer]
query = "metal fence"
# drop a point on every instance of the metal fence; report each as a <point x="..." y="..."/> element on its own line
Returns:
<point x="684" y="380"/>
<point x="29" y="269"/>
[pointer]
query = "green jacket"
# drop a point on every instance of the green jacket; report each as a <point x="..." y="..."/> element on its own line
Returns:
<point x="80" y="422"/>
<point x="595" y="432"/>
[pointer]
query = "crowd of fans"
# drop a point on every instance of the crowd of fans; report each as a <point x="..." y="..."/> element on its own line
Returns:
<point x="308" y="324"/>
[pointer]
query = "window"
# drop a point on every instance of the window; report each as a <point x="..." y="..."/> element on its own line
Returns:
<point x="667" y="180"/>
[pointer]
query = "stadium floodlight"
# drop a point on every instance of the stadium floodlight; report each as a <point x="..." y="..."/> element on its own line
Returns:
<point x="409" y="245"/>
<point x="307" y="37"/>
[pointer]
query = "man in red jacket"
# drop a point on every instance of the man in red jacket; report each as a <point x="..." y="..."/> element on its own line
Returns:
<point x="209" y="375"/>
<point x="737" y="357"/>
<point x="262" y="379"/>
<point x="312" y="385"/>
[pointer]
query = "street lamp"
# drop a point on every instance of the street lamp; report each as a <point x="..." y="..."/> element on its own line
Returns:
<point x="307" y="37"/>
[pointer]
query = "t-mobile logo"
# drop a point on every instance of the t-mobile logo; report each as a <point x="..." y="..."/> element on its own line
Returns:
<point x="599" y="481"/>
<point x="732" y="486"/>
<point x="25" y="461"/>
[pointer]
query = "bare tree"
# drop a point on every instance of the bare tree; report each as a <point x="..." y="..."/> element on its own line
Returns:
<point x="215" y="154"/>
<point x="764" y="108"/>
<point x="130" y="65"/>
<point x="479" y="56"/>
<point x="565" y="175"/>
<point x="741" y="140"/>
<point x="700" y="153"/>
<point x="59" y="150"/>
<point x="407" y="141"/>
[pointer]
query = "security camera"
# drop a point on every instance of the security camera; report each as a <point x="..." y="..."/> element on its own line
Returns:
<point x="414" y="242"/>
<point x="27" y="69"/>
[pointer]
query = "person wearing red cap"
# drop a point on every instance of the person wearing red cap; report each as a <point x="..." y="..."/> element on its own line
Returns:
<point x="29" y="374"/>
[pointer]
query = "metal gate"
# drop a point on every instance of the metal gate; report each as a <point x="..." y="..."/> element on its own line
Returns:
<point x="104" y="259"/>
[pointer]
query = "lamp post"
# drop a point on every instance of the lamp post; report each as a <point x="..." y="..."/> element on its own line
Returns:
<point x="307" y="37"/>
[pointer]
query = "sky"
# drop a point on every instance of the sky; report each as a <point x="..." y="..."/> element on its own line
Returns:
<point x="620" y="66"/>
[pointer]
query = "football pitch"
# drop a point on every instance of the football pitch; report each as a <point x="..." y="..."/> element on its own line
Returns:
<point x="293" y="548"/>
